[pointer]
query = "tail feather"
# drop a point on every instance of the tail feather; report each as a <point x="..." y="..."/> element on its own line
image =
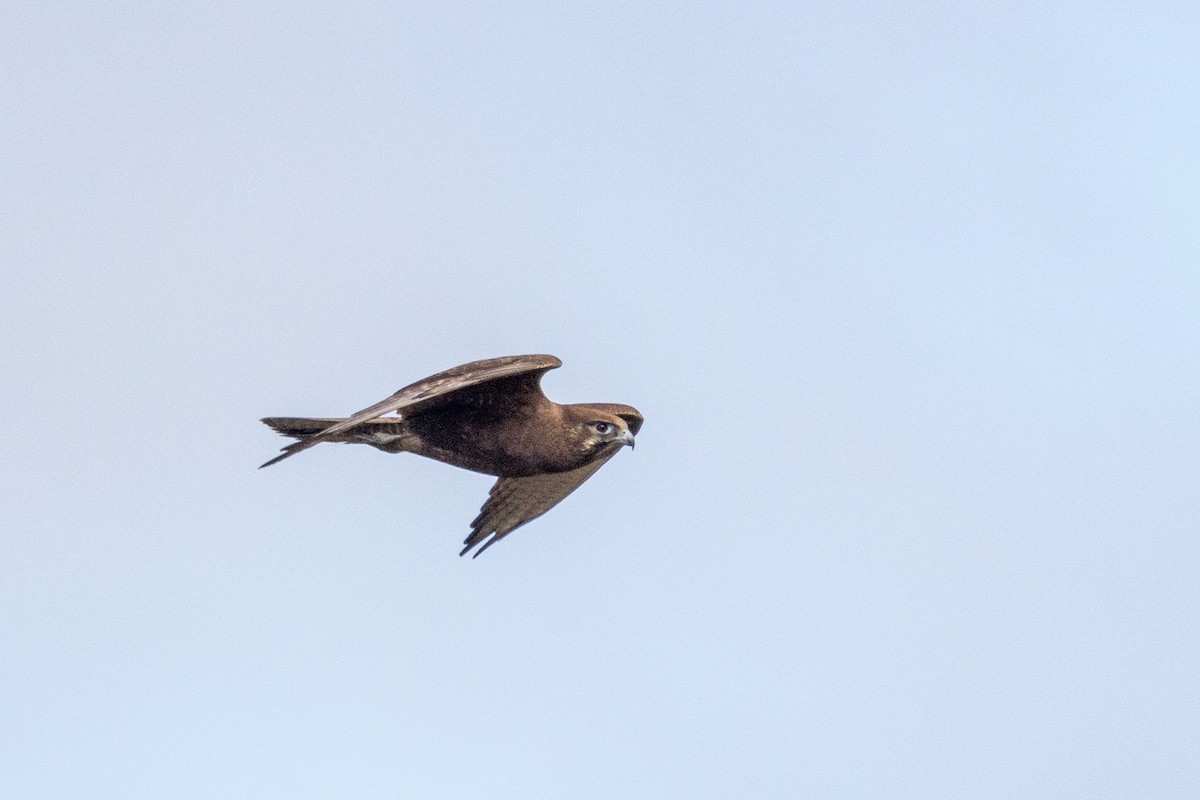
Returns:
<point x="298" y="427"/>
<point x="387" y="435"/>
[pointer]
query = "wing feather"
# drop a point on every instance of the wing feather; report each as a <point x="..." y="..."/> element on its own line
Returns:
<point x="514" y="501"/>
<point x="432" y="390"/>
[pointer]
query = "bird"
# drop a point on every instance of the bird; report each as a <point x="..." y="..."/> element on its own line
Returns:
<point x="492" y="417"/>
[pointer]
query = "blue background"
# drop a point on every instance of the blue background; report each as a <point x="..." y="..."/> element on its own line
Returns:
<point x="908" y="294"/>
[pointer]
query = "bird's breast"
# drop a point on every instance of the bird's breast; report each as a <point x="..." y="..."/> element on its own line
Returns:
<point x="517" y="444"/>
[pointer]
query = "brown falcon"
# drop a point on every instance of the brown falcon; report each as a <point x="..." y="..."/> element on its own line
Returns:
<point x="491" y="417"/>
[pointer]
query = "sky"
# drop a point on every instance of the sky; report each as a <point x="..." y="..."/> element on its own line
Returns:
<point x="907" y="293"/>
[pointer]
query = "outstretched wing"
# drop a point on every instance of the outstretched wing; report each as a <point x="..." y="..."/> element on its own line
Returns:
<point x="474" y="377"/>
<point x="514" y="501"/>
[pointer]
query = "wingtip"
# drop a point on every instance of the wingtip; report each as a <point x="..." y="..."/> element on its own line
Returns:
<point x="290" y="450"/>
<point x="471" y="543"/>
<point x="491" y="541"/>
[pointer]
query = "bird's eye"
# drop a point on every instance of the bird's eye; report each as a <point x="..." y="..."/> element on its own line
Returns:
<point x="601" y="427"/>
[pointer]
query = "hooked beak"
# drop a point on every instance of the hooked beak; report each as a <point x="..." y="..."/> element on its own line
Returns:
<point x="626" y="438"/>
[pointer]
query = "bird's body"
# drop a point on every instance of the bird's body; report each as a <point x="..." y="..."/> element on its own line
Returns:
<point x="490" y="417"/>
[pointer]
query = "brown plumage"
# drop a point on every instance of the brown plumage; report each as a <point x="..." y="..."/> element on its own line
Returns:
<point x="490" y="417"/>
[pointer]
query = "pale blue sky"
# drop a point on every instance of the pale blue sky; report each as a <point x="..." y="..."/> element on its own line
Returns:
<point x="909" y="295"/>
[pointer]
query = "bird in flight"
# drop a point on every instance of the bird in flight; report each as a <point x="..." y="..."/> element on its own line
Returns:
<point x="486" y="416"/>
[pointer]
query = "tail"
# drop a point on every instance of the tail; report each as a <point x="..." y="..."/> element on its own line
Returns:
<point x="300" y="427"/>
<point x="387" y="435"/>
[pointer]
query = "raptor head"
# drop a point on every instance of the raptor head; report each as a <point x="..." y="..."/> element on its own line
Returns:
<point x="600" y="425"/>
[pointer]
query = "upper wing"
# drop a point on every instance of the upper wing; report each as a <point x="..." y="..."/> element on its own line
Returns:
<point x="514" y="501"/>
<point x="435" y="389"/>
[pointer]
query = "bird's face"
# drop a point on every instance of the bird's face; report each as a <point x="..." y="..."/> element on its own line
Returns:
<point x="597" y="430"/>
<point x="610" y="429"/>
